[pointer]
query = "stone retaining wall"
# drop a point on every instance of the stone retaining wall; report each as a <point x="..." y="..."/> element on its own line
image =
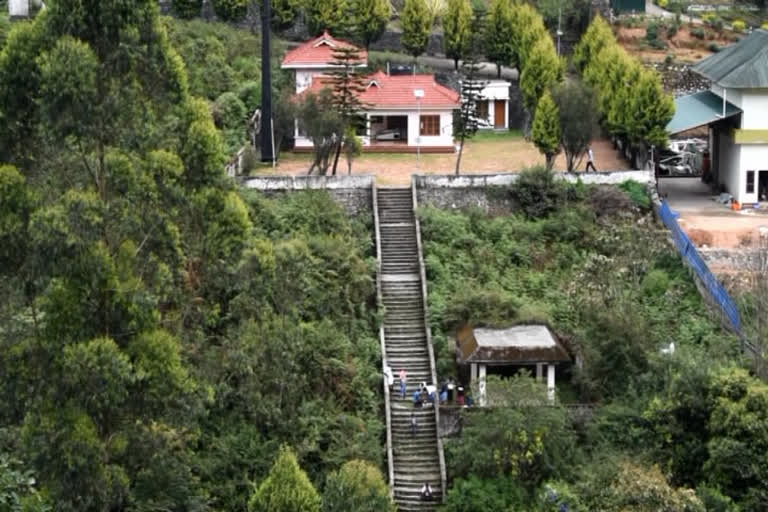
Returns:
<point x="354" y="193"/>
<point x="488" y="191"/>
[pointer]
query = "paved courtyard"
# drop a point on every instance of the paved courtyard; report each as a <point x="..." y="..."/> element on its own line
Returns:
<point x="708" y="222"/>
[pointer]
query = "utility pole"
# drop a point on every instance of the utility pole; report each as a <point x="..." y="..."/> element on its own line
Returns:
<point x="267" y="124"/>
<point x="559" y="21"/>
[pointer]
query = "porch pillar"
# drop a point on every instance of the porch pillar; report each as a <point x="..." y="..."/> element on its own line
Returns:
<point x="473" y="373"/>
<point x="482" y="384"/>
<point x="551" y="382"/>
<point x="539" y="371"/>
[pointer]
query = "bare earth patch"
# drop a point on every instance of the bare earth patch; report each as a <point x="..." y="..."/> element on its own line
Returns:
<point x="487" y="153"/>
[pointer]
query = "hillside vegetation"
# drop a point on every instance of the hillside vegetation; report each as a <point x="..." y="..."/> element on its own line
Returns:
<point x="590" y="262"/>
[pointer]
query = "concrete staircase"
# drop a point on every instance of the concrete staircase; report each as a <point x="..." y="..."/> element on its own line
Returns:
<point x="416" y="458"/>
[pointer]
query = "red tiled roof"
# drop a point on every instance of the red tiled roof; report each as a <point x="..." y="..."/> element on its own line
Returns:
<point x="398" y="91"/>
<point x="319" y="51"/>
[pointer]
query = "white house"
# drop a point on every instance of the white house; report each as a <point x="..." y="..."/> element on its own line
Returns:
<point x="736" y="111"/>
<point x="406" y="113"/>
<point x="18" y="8"/>
<point x="493" y="105"/>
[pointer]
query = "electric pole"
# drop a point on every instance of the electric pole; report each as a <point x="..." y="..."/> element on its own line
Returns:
<point x="267" y="124"/>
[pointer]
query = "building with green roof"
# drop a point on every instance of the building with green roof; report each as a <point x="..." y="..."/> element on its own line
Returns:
<point x="736" y="111"/>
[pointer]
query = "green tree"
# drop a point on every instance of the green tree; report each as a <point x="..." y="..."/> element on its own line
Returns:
<point x="475" y="494"/>
<point x="651" y="109"/>
<point x="543" y="70"/>
<point x="286" y="489"/>
<point x="457" y="26"/>
<point x="358" y="486"/>
<point x="524" y="437"/>
<point x="417" y="27"/>
<point x="738" y="443"/>
<point x="499" y="28"/>
<point x="17" y="489"/>
<point x="578" y="120"/>
<point x="187" y="8"/>
<point x="528" y="31"/>
<point x="326" y="15"/>
<point x="230" y="116"/>
<point x="598" y="35"/>
<point x="370" y="19"/>
<point x="320" y="122"/>
<point x="546" y="128"/>
<point x="231" y="10"/>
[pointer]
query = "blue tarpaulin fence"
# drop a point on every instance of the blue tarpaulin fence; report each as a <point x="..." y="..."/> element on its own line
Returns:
<point x="693" y="259"/>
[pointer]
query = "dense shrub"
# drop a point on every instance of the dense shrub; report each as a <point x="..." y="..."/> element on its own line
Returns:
<point x="537" y="193"/>
<point x="713" y="47"/>
<point x="698" y="33"/>
<point x="739" y="26"/>
<point x="637" y="192"/>
<point x="474" y="494"/>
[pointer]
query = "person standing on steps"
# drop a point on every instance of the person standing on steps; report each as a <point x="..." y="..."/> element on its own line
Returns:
<point x="590" y="160"/>
<point x="403" y="383"/>
<point x="426" y="492"/>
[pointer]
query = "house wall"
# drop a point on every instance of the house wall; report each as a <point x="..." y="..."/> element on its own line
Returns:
<point x="18" y="8"/>
<point x="754" y="103"/>
<point x="729" y="170"/>
<point x="446" y="129"/>
<point x="304" y="78"/>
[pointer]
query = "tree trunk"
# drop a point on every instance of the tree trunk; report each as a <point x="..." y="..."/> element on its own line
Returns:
<point x="456" y="64"/>
<point x="550" y="160"/>
<point x="458" y="160"/>
<point x="336" y="157"/>
<point x="498" y="70"/>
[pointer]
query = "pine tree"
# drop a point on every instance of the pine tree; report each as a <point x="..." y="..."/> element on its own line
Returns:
<point x="457" y="29"/>
<point x="528" y="30"/>
<point x="417" y="27"/>
<point x="467" y="122"/>
<point x="347" y="84"/>
<point x="546" y="128"/>
<point x="286" y="489"/>
<point x="370" y="18"/>
<point x="543" y="70"/>
<point x="499" y="28"/>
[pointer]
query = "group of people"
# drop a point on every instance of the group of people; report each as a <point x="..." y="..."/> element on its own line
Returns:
<point x="427" y="394"/>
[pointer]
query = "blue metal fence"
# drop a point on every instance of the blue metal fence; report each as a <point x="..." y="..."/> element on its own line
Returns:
<point x="693" y="258"/>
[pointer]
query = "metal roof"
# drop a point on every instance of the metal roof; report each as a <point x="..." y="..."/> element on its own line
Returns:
<point x="743" y="65"/>
<point x="699" y="109"/>
<point x="516" y="345"/>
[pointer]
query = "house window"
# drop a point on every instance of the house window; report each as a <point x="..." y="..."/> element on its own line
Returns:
<point x="430" y="125"/>
<point x="482" y="109"/>
<point x="750" y="182"/>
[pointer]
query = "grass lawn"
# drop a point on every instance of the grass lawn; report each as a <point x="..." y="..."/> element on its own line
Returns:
<point x="487" y="152"/>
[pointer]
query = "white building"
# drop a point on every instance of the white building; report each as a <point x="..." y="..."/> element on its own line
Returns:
<point x="493" y="105"/>
<point x="736" y="111"/>
<point x="406" y="113"/>
<point x="18" y="8"/>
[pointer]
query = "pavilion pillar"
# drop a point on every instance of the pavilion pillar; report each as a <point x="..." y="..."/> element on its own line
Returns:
<point x="551" y="382"/>
<point x="482" y="385"/>
<point x="539" y="371"/>
<point x="473" y="373"/>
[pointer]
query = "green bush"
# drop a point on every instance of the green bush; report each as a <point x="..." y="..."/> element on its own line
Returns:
<point x="187" y="8"/>
<point x="713" y="47"/>
<point x="655" y="283"/>
<point x="739" y="26"/>
<point x="482" y="495"/>
<point x="638" y="192"/>
<point x="537" y="193"/>
<point x="230" y="10"/>
<point x="698" y="33"/>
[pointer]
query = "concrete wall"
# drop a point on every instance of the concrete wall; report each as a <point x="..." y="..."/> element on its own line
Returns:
<point x="351" y="192"/>
<point x="488" y="191"/>
<point x="729" y="170"/>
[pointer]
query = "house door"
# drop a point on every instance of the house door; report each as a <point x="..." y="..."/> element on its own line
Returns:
<point x="500" y="114"/>
<point x="762" y="186"/>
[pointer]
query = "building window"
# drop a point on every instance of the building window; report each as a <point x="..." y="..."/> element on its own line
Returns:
<point x="482" y="109"/>
<point x="750" y="182"/>
<point x="430" y="125"/>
